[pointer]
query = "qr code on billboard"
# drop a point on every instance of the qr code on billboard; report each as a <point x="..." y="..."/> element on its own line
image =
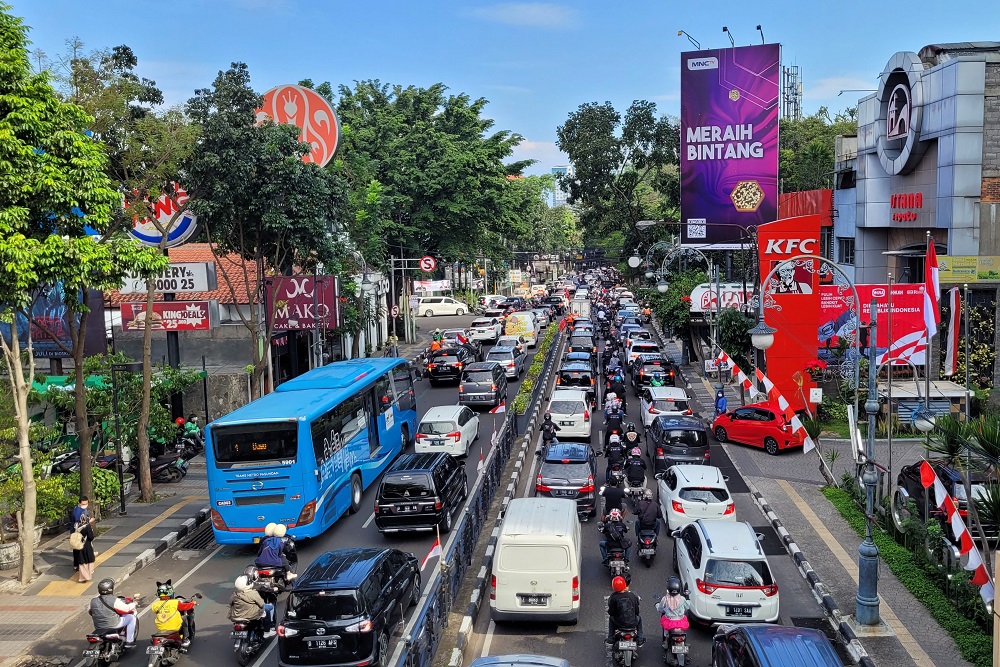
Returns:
<point x="697" y="228"/>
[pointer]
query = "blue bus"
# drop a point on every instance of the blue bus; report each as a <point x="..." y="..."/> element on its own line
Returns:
<point x="303" y="455"/>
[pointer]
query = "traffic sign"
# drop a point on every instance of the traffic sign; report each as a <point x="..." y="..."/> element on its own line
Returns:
<point x="395" y="311"/>
<point x="428" y="263"/>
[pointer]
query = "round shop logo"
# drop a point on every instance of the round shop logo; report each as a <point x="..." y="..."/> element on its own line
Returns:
<point x="901" y="103"/>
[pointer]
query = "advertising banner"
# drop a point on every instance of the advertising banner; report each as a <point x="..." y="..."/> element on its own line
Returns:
<point x="431" y="285"/>
<point x="178" y="277"/>
<point x="50" y="325"/>
<point x="905" y="319"/>
<point x="961" y="269"/>
<point x="297" y="303"/>
<point x="730" y="295"/>
<point x="171" y="315"/>
<point x="729" y="143"/>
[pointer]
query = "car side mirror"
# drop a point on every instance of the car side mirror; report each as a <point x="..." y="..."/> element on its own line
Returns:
<point x="675" y="533"/>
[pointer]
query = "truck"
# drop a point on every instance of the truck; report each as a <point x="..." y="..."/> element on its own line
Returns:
<point x="580" y="307"/>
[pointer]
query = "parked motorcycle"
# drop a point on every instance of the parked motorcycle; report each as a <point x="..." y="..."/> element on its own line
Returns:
<point x="105" y="648"/>
<point x="646" y="546"/>
<point x="165" y="648"/>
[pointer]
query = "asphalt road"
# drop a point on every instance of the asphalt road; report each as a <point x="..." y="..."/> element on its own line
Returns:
<point x="210" y="569"/>
<point x="583" y="643"/>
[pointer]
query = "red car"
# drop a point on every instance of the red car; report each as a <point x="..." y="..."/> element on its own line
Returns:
<point x="758" y="425"/>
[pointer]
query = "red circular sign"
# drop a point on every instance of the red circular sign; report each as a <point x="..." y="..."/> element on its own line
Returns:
<point x="428" y="263"/>
<point x="308" y="111"/>
<point x="395" y="311"/>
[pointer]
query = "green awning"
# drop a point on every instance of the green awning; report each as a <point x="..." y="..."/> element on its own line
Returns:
<point x="67" y="383"/>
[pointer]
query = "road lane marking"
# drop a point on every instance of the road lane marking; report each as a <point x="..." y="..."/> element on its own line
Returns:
<point x="370" y="519"/>
<point x="489" y="638"/>
<point x="850" y="565"/>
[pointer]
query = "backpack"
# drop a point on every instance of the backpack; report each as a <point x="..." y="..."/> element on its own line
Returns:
<point x="626" y="613"/>
<point x="616" y="532"/>
<point x="270" y="551"/>
<point x="76" y="541"/>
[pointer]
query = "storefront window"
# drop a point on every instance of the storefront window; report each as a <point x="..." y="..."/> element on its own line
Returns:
<point x="845" y="249"/>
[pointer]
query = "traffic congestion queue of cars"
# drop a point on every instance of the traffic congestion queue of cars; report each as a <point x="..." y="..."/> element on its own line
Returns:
<point x="720" y="562"/>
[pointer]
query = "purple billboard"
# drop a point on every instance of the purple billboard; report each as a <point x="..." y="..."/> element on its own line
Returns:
<point x="729" y="143"/>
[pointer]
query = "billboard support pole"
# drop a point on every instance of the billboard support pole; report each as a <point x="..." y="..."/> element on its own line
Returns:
<point x="888" y="401"/>
<point x="173" y="358"/>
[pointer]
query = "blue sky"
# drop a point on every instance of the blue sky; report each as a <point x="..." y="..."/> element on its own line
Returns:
<point x="534" y="61"/>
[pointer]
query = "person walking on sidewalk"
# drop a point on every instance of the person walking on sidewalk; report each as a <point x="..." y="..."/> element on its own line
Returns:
<point x="720" y="403"/>
<point x="82" y="542"/>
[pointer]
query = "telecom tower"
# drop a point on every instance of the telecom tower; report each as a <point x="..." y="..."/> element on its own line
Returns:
<point x="791" y="93"/>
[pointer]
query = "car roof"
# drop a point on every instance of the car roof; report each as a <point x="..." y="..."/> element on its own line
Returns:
<point x="730" y="539"/>
<point x="567" y="450"/>
<point x="699" y="474"/>
<point x="569" y="394"/>
<point x="502" y="349"/>
<point x="454" y="330"/>
<point x="449" y="351"/>
<point x="766" y="405"/>
<point x="484" y="320"/>
<point x="482" y="366"/>
<point x="684" y="423"/>
<point x="778" y="645"/>
<point x="415" y="462"/>
<point x="343" y="568"/>
<point x="442" y="412"/>
<point x="665" y="393"/>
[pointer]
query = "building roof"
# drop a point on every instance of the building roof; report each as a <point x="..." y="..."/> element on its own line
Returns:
<point x="231" y="270"/>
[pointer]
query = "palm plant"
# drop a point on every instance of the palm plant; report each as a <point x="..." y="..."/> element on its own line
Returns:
<point x="984" y="440"/>
<point x="951" y="443"/>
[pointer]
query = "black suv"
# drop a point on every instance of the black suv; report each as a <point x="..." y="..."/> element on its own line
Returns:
<point x="648" y="365"/>
<point x="344" y="608"/>
<point x="447" y="363"/>
<point x="577" y="374"/>
<point x="482" y="383"/>
<point x="767" y="644"/>
<point x="555" y="302"/>
<point x="420" y="492"/>
<point x="582" y="344"/>
<point x="676" y="440"/>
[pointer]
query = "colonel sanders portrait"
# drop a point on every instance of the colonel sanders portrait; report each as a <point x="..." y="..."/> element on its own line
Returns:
<point x="793" y="279"/>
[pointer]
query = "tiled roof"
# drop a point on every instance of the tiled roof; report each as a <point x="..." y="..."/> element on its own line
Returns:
<point x="230" y="266"/>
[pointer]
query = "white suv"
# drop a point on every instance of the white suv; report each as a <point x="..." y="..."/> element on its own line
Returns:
<point x="430" y="306"/>
<point x="689" y="493"/>
<point x="722" y="564"/>
<point x="656" y="401"/>
<point x="486" y="328"/>
<point x="570" y="410"/>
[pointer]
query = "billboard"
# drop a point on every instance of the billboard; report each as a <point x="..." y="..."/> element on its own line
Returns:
<point x="297" y="302"/>
<point x="729" y="143"/>
<point x="50" y="325"/>
<point x="431" y="285"/>
<point x="311" y="113"/>
<point x="171" y="315"/>
<point x="704" y="298"/>
<point x="909" y="337"/>
<point x="958" y="269"/>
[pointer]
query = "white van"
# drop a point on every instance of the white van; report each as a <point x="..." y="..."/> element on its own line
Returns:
<point x="570" y="410"/>
<point x="522" y="323"/>
<point x="536" y="565"/>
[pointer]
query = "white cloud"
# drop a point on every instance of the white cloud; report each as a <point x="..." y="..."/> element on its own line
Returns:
<point x="546" y="154"/>
<point x="529" y="14"/>
<point x="830" y="87"/>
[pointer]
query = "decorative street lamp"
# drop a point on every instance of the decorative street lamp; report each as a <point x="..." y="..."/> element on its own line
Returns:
<point x="662" y="286"/>
<point x="128" y="367"/>
<point x="923" y="419"/>
<point x="762" y="335"/>
<point x="634" y="261"/>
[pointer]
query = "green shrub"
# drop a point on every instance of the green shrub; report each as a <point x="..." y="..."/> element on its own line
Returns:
<point x="521" y="404"/>
<point x="830" y="410"/>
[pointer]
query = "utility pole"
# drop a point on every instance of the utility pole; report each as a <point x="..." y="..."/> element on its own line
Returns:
<point x="867" y="603"/>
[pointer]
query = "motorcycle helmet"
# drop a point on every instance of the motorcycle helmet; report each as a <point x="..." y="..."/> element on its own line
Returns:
<point x="180" y="422"/>
<point x="164" y="589"/>
<point x="548" y="417"/>
<point x="269" y="529"/>
<point x="615" y="515"/>
<point x="630" y="427"/>
<point x="614" y="439"/>
<point x="674" y="586"/>
<point x="632" y="437"/>
<point x="636" y="452"/>
<point x="280" y="530"/>
<point x="618" y="584"/>
<point x="250" y="572"/>
<point x="242" y="584"/>
<point x="648" y="494"/>
<point x="106" y="587"/>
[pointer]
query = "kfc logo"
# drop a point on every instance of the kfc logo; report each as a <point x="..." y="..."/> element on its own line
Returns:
<point x="790" y="246"/>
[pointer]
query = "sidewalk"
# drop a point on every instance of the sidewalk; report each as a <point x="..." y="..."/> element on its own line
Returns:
<point x="125" y="544"/>
<point x="791" y="485"/>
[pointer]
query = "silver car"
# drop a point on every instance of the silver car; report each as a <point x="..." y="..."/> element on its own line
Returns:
<point x="512" y="362"/>
<point x="542" y="317"/>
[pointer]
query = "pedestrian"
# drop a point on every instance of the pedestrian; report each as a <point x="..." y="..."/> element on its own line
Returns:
<point x="720" y="403"/>
<point x="77" y="515"/>
<point x="82" y="542"/>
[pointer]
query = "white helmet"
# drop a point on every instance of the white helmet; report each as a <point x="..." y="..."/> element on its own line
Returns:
<point x="614" y="439"/>
<point x="242" y="584"/>
<point x="269" y="529"/>
<point x="279" y="530"/>
<point x="615" y="515"/>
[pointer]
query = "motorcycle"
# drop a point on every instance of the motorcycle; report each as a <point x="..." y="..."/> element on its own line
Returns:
<point x="165" y="648"/>
<point x="107" y="647"/>
<point x="617" y="564"/>
<point x="635" y="491"/>
<point x="617" y="473"/>
<point x="646" y="545"/>
<point x="625" y="648"/>
<point x="676" y="646"/>
<point x="248" y="635"/>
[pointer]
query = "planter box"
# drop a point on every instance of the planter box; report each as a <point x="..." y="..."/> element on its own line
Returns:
<point x="10" y="552"/>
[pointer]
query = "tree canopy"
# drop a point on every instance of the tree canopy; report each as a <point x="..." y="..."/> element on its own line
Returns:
<point x="806" y="157"/>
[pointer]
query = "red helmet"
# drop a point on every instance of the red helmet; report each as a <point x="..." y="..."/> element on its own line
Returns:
<point x="180" y="421"/>
<point x="618" y="584"/>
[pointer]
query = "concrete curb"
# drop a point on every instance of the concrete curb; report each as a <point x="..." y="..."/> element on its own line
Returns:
<point x="465" y="628"/>
<point x="186" y="527"/>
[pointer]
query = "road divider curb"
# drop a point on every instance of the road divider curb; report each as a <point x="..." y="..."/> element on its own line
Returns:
<point x="466" y="627"/>
<point x="185" y="528"/>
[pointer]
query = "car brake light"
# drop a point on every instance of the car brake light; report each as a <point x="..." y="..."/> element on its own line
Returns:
<point x="454" y="434"/>
<point x="510" y="365"/>
<point x="641" y="373"/>
<point x="217" y="521"/>
<point x="539" y="487"/>
<point x="652" y="410"/>
<point x="688" y="412"/>
<point x="437" y="504"/>
<point x="493" y="586"/>
<point x="360" y="626"/>
<point x="707" y="589"/>
<point x="659" y="451"/>
<point x="558" y="380"/>
<point x="770" y="591"/>
<point x="707" y="455"/>
<point x="591" y="382"/>
<point x="286" y="632"/>
<point x="586" y="415"/>
<point x="431" y="366"/>
<point x="589" y="488"/>
<point x="576" y="588"/>
<point x="307" y="514"/>
<point x="459" y="365"/>
<point x="730" y="509"/>
<point x="376" y="507"/>
<point x="422" y="435"/>
<point x="678" y="506"/>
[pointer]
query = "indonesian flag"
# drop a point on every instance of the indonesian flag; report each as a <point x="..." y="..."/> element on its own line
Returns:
<point x="954" y="318"/>
<point x="500" y="408"/>
<point x="932" y="288"/>
<point x="435" y="551"/>
<point x="461" y="338"/>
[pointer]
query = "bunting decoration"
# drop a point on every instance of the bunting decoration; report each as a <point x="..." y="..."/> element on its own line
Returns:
<point x="740" y="376"/>
<point x="966" y="545"/>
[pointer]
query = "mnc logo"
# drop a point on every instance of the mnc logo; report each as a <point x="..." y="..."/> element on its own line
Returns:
<point x="703" y="63"/>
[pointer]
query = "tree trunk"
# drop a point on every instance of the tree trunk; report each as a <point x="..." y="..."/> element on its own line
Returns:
<point x="84" y="432"/>
<point x="142" y="434"/>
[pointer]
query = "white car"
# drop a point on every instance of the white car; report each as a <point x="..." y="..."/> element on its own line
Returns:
<point x="516" y="342"/>
<point x="640" y="347"/>
<point x="447" y="428"/>
<point x="689" y="493"/>
<point x="486" y="328"/>
<point x="656" y="401"/>
<point x="724" y="567"/>
<point x="570" y="410"/>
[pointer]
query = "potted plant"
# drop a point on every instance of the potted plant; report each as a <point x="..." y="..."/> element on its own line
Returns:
<point x="815" y="369"/>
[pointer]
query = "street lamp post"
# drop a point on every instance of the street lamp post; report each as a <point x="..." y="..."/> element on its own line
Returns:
<point x="127" y="367"/>
<point x="866" y="603"/>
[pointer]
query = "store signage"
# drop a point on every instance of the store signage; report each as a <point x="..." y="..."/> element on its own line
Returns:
<point x="296" y="303"/>
<point x="171" y="315"/>
<point x="310" y="112"/>
<point x="901" y="104"/>
<point x="729" y="295"/>
<point x="838" y="317"/>
<point x="906" y="202"/>
<point x="897" y="122"/>
<point x="791" y="246"/>
<point x="179" y="277"/>
<point x="178" y="225"/>
<point x="954" y="269"/>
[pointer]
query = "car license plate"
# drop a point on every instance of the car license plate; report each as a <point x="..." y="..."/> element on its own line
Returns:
<point x="744" y="612"/>
<point x="625" y="645"/>
<point x="534" y="600"/>
<point x="407" y="508"/>
<point x="565" y="494"/>
<point x="437" y="442"/>
<point x="91" y="652"/>
<point x="565" y="423"/>
<point x="322" y="643"/>
<point x="154" y="650"/>
<point x="647" y="552"/>
<point x="616" y="563"/>
<point x="680" y="648"/>
<point x="240" y="634"/>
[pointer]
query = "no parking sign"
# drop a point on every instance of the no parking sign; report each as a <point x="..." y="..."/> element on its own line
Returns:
<point x="428" y="264"/>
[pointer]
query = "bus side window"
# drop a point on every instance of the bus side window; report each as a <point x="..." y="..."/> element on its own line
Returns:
<point x="403" y="382"/>
<point x="383" y="393"/>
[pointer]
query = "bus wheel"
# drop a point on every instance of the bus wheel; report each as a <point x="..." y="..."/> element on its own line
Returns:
<point x="405" y="437"/>
<point x="355" y="493"/>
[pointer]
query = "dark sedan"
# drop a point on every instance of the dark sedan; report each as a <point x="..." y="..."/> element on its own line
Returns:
<point x="567" y="471"/>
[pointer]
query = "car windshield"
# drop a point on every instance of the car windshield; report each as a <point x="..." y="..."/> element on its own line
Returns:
<point x="436" y="428"/>
<point x="478" y="376"/>
<point x="703" y="494"/>
<point x="566" y="407"/>
<point x="326" y="605"/>
<point x="446" y="359"/>
<point x="737" y="572"/>
<point x="506" y="355"/>
<point x="670" y="405"/>
<point x="406" y="486"/>
<point x="685" y="438"/>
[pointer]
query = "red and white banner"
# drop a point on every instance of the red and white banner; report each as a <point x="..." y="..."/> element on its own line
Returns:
<point x="838" y="318"/>
<point x="963" y="538"/>
<point x="932" y="290"/>
<point x="435" y="551"/>
<point x="954" y="319"/>
<point x="500" y="408"/>
<point x="171" y="315"/>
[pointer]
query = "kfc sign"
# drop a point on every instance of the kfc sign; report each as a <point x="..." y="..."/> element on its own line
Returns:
<point x="791" y="246"/>
<point x="705" y="298"/>
<point x="301" y="302"/>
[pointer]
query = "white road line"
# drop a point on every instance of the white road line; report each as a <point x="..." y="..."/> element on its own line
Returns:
<point x="193" y="570"/>
<point x="529" y="485"/>
<point x="489" y="638"/>
<point x="370" y="519"/>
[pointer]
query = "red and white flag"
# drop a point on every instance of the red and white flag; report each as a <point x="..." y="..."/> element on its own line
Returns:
<point x="435" y="551"/>
<point x="954" y="318"/>
<point x="480" y="465"/>
<point x="500" y="408"/>
<point x="462" y="339"/>
<point x="932" y="290"/>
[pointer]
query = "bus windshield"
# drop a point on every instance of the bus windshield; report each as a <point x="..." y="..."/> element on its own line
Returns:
<point x="255" y="442"/>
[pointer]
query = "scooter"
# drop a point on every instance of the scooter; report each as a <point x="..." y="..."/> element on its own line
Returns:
<point x="248" y="635"/>
<point x="646" y="546"/>
<point x="617" y="564"/>
<point x="106" y="647"/>
<point x="635" y="491"/>
<point x="166" y="648"/>
<point x="675" y="646"/>
<point x="625" y="648"/>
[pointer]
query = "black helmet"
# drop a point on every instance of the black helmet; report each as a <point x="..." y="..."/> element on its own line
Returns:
<point x="630" y="428"/>
<point x="106" y="587"/>
<point x="548" y="416"/>
<point x="674" y="586"/>
<point x="250" y="572"/>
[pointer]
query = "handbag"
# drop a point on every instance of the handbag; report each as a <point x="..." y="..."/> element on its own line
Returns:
<point x="76" y="540"/>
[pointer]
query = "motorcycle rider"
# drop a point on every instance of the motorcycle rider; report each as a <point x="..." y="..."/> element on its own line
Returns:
<point x="614" y="530"/>
<point x="631" y="435"/>
<point x="276" y="550"/>
<point x="673" y="609"/>
<point x="635" y="468"/>
<point x="111" y="613"/>
<point x="618" y="388"/>
<point x="549" y="429"/>
<point x="169" y="613"/>
<point x="247" y="603"/>
<point x="614" y="452"/>
<point x="623" y="611"/>
<point x="613" y="420"/>
<point x="657" y="380"/>
<point x="647" y="513"/>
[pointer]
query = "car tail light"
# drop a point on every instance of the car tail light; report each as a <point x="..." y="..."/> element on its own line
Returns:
<point x="586" y="415"/>
<point x="688" y="412"/>
<point x="678" y="506"/>
<point x="591" y="382"/>
<point x="307" y="514"/>
<point x="360" y="626"/>
<point x="652" y="410"/>
<point x="510" y="365"/>
<point x="431" y="366"/>
<point x="454" y="434"/>
<point x="376" y="510"/>
<point x="284" y="631"/>
<point x="707" y="454"/>
<point x="459" y="365"/>
<point x="659" y="451"/>
<point x="217" y="522"/>
<point x="707" y="589"/>
<point x="558" y="380"/>
<point x="589" y="487"/>
<point x="576" y="588"/>
<point x="539" y="487"/>
<point x="730" y="509"/>
<point x="642" y="373"/>
<point x="422" y="435"/>
<point x="493" y="586"/>
<point x="770" y="591"/>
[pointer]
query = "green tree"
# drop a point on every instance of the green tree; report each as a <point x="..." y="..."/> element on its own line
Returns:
<point x="50" y="173"/>
<point x="806" y="148"/>
<point x="732" y="329"/>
